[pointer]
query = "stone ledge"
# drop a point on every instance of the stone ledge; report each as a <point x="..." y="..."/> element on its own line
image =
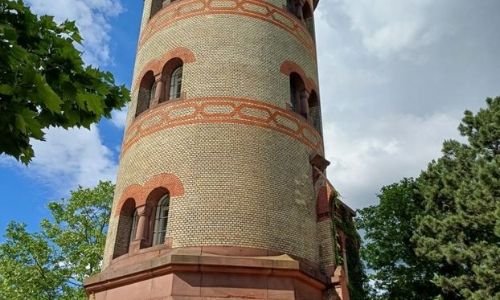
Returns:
<point x="187" y="261"/>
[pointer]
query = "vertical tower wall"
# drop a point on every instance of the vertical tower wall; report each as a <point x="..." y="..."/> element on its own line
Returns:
<point x="241" y="156"/>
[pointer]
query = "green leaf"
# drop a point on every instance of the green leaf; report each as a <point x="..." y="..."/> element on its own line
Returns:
<point x="8" y="32"/>
<point x="20" y="124"/>
<point x="92" y="102"/>
<point x="18" y="54"/>
<point x="6" y="89"/>
<point x="43" y="72"/>
<point x="31" y="124"/>
<point x="47" y="95"/>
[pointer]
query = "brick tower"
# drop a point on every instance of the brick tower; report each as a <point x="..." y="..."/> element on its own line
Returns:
<point x="221" y="192"/>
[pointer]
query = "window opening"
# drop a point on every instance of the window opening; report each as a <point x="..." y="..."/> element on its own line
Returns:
<point x="146" y="93"/>
<point x="161" y="220"/>
<point x="156" y="6"/>
<point x="298" y="95"/>
<point x="133" y="230"/>
<point x="176" y="83"/>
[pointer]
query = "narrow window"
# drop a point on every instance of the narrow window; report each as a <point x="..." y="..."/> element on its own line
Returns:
<point x="297" y="94"/>
<point x="125" y="228"/>
<point x="161" y="220"/>
<point x="133" y="230"/>
<point x="290" y="6"/>
<point x="172" y="80"/>
<point x="295" y="8"/>
<point x="156" y="6"/>
<point x="176" y="83"/>
<point x="146" y="93"/>
<point x="308" y="16"/>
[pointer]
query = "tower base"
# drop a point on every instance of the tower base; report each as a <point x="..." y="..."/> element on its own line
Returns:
<point x="189" y="274"/>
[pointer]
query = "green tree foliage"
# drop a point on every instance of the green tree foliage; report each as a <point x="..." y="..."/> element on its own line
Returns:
<point x="44" y="81"/>
<point x="438" y="237"/>
<point x="397" y="272"/>
<point x="460" y="228"/>
<point x="52" y="263"/>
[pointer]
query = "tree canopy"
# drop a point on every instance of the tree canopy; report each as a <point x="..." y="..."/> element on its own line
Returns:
<point x="44" y="81"/>
<point x="52" y="263"/>
<point x="438" y="237"/>
<point x="460" y="227"/>
<point x="388" y="249"/>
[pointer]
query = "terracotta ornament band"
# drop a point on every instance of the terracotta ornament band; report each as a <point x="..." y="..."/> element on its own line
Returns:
<point x="251" y="8"/>
<point x="222" y="110"/>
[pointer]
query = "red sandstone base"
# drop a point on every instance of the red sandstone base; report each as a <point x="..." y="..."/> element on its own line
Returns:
<point x="191" y="286"/>
<point x="185" y="276"/>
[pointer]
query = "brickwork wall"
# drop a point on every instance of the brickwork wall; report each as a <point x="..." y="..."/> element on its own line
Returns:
<point x="245" y="184"/>
<point x="248" y="187"/>
<point x="145" y="13"/>
<point x="235" y="56"/>
<point x="325" y="243"/>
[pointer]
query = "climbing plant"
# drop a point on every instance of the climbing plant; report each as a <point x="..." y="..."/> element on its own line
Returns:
<point x="342" y="220"/>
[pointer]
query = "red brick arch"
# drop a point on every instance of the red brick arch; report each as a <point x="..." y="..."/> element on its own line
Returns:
<point x="156" y="65"/>
<point x="289" y="67"/>
<point x="140" y="193"/>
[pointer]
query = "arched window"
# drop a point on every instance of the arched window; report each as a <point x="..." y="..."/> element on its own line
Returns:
<point x="302" y="11"/>
<point x="172" y="79"/>
<point x="156" y="6"/>
<point x="307" y="14"/>
<point x="290" y="6"/>
<point x="161" y="220"/>
<point x="295" y="7"/>
<point x="125" y="232"/>
<point x="176" y="83"/>
<point x="146" y="93"/>
<point x="298" y="95"/>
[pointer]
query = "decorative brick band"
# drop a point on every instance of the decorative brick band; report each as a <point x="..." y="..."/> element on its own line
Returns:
<point x="262" y="10"/>
<point x="220" y="110"/>
<point x="140" y="193"/>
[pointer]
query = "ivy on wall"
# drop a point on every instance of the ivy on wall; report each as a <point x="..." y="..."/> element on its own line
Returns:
<point x="342" y="221"/>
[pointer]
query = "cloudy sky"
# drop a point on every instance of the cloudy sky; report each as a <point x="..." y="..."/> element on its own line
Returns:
<point x="395" y="78"/>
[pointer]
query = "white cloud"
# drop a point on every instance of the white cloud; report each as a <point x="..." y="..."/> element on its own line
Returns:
<point x="73" y="157"/>
<point x="119" y="117"/>
<point x="395" y="77"/>
<point x="384" y="152"/>
<point x="388" y="27"/>
<point x="67" y="159"/>
<point x="92" y="18"/>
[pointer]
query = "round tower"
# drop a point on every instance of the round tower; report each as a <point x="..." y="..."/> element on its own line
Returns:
<point x="220" y="191"/>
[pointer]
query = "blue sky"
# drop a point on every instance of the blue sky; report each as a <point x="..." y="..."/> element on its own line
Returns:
<point x="24" y="194"/>
<point x="395" y="78"/>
